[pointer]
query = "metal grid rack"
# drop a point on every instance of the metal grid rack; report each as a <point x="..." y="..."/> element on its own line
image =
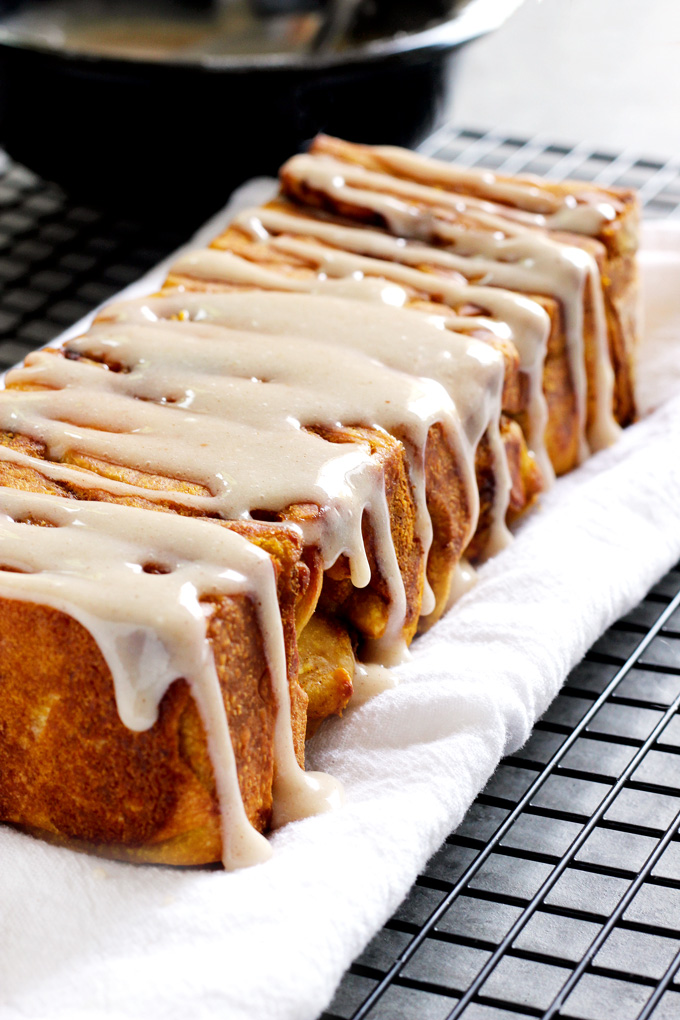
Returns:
<point x="559" y="895"/>
<point x="59" y="260"/>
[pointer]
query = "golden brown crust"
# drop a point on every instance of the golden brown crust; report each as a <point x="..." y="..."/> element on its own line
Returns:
<point x="326" y="669"/>
<point x="563" y="433"/>
<point x="618" y="278"/>
<point x="525" y="477"/>
<point x="622" y="299"/>
<point x="71" y="768"/>
<point x="447" y="504"/>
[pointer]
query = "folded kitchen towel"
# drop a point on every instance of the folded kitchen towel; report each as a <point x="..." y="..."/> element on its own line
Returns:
<point x="81" y="937"/>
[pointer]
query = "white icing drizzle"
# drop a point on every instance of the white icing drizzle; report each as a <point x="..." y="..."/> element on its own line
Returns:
<point x="390" y="649"/>
<point x="229" y="268"/>
<point x="603" y="429"/>
<point x="544" y="266"/>
<point x="152" y="628"/>
<point x="353" y="273"/>
<point x="586" y="217"/>
<point x="470" y="370"/>
<point x="371" y="679"/>
<point x="583" y="210"/>
<point x="209" y="369"/>
<point x="191" y="447"/>
<point x="81" y="478"/>
<point x="526" y="323"/>
<point x="465" y="578"/>
<point x="517" y="317"/>
<point x="498" y="253"/>
<point x="530" y="195"/>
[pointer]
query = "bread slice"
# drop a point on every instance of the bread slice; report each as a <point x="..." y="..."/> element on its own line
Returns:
<point x="75" y="768"/>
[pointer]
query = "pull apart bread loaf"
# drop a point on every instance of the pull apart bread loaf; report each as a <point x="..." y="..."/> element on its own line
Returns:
<point x="229" y="505"/>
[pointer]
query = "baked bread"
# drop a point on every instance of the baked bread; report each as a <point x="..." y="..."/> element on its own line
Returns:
<point x="571" y="243"/>
<point x="266" y="474"/>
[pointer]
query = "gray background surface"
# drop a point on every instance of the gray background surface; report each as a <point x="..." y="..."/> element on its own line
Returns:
<point x="603" y="72"/>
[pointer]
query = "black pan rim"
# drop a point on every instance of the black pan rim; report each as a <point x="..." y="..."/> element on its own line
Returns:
<point x="475" y="18"/>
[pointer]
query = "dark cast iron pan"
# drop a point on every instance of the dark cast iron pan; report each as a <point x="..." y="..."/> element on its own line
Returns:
<point x="178" y="134"/>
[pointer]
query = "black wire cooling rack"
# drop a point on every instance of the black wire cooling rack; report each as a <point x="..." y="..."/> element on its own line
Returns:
<point x="559" y="895"/>
<point x="59" y="260"/>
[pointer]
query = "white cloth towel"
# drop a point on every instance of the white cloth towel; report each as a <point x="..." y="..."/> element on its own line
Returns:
<point x="81" y="937"/>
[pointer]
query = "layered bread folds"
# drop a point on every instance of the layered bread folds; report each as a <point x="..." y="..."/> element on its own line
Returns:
<point x="228" y="503"/>
<point x="570" y="243"/>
